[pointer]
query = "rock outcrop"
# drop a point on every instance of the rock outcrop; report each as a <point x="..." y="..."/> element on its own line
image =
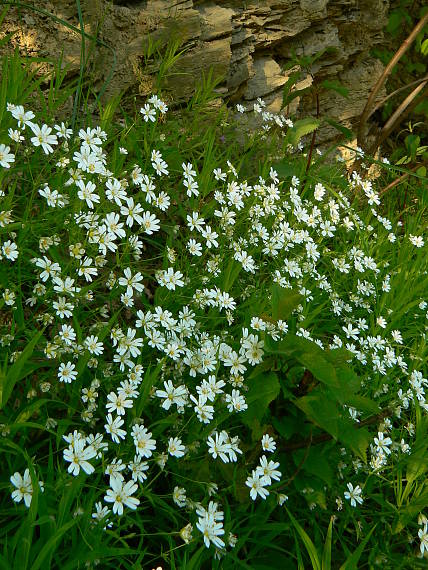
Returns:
<point x="246" y="43"/>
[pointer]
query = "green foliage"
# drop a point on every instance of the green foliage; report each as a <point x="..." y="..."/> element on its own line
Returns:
<point x="322" y="404"/>
<point x="17" y="372"/>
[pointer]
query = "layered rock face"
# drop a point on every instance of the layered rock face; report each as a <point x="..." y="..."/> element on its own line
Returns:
<point x="246" y="43"/>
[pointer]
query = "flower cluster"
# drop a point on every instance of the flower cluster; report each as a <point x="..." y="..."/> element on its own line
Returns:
<point x="158" y="349"/>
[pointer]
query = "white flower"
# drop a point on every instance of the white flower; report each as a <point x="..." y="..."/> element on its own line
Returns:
<point x="93" y="346"/>
<point x="148" y="113"/>
<point x="78" y="455"/>
<point x="218" y="446"/>
<point x="268" y="471"/>
<point x="423" y="535"/>
<point x="118" y="403"/>
<point x="257" y="486"/>
<point x="268" y="443"/>
<point x="236" y="401"/>
<point x="282" y="499"/>
<point x="132" y="211"/>
<point x="23" y="117"/>
<point x="132" y="282"/>
<point x="170" y="279"/>
<point x="43" y="137"/>
<point x="351" y="332"/>
<point x="138" y="468"/>
<point x="210" y="524"/>
<point x="150" y="223"/>
<point x="115" y="192"/>
<point x="10" y="250"/>
<point x="114" y="469"/>
<point x="383" y="443"/>
<point x="144" y="444"/>
<point x="319" y="192"/>
<point x="175" y="447"/>
<point x="113" y="427"/>
<point x="24" y="488"/>
<point x="179" y="496"/>
<point x="62" y="307"/>
<point x="120" y="494"/>
<point x="86" y="193"/>
<point x="101" y="513"/>
<point x="417" y="241"/>
<point x="194" y="247"/>
<point x="172" y="395"/>
<point x="67" y="372"/>
<point x="67" y="334"/>
<point x="354" y="495"/>
<point x="396" y="335"/>
<point x="63" y="131"/>
<point x="6" y="157"/>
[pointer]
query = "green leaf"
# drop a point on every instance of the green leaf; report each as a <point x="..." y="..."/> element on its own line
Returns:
<point x="230" y="274"/>
<point x="316" y="463"/>
<point x="292" y="345"/>
<point x="309" y="545"/>
<point x="352" y="561"/>
<point x="264" y="366"/>
<point x="349" y="135"/>
<point x="394" y="21"/>
<point x="51" y="543"/>
<point x="320" y="368"/>
<point x="336" y="86"/>
<point x="284" y="302"/>
<point x="362" y="404"/>
<point x="417" y="465"/>
<point x="416" y="505"/>
<point x="300" y="129"/>
<point x="321" y="411"/>
<point x="287" y="425"/>
<point x="292" y="80"/>
<point x="357" y="439"/>
<point x="326" y="555"/>
<point x="424" y="47"/>
<point x="286" y="100"/>
<point x="262" y="391"/>
<point x="17" y="371"/>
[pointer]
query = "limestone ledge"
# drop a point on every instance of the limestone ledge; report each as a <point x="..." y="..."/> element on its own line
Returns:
<point x="245" y="43"/>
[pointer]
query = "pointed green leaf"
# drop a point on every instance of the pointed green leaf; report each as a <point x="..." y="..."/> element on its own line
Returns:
<point x="284" y="302"/>
<point x="262" y="391"/>
<point x="17" y="371"/>
<point x="301" y="128"/>
<point x="352" y="561"/>
<point x="326" y="555"/>
<point x="309" y="545"/>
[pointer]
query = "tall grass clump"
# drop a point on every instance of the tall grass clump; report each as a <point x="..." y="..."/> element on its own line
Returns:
<point x="200" y="370"/>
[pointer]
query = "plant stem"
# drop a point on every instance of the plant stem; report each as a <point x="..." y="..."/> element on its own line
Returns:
<point x="387" y="71"/>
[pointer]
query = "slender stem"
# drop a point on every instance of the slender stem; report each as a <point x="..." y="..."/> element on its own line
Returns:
<point x="396" y="92"/>
<point x="389" y="125"/>
<point x="400" y="179"/>
<point x="387" y="71"/>
<point x="403" y="110"/>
